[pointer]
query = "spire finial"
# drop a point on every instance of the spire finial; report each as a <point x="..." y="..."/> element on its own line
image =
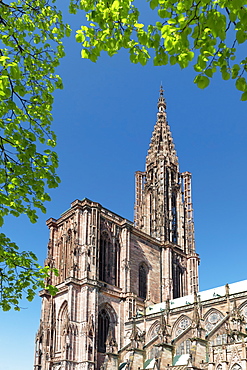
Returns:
<point x="161" y="100"/>
<point x="161" y="90"/>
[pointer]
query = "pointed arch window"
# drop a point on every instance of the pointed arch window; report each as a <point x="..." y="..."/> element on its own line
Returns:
<point x="108" y="259"/>
<point x="103" y="329"/>
<point x="105" y="251"/>
<point x="174" y="219"/>
<point x="62" y="324"/>
<point x="40" y="350"/>
<point x="177" y="277"/>
<point x="142" y="281"/>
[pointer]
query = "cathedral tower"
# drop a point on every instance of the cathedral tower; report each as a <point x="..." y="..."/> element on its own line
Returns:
<point x="111" y="270"/>
<point x="163" y="209"/>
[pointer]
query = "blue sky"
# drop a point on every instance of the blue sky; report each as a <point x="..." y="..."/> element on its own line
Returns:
<point x="104" y="118"/>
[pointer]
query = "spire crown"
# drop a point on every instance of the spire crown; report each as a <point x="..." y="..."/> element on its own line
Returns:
<point x="161" y="141"/>
<point x="161" y="100"/>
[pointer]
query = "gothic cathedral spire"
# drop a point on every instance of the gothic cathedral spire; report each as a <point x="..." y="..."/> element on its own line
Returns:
<point x="161" y="142"/>
<point x="163" y="206"/>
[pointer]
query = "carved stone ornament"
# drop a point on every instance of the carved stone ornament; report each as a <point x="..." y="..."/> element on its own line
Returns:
<point x="111" y="346"/>
<point x="105" y="225"/>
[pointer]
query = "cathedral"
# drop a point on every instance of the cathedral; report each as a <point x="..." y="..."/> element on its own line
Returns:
<point x="128" y="295"/>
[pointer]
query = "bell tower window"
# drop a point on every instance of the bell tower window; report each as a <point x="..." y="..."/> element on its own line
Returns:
<point x="109" y="259"/>
<point x="174" y="219"/>
<point x="177" y="277"/>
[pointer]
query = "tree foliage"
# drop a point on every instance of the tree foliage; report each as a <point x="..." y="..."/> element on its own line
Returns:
<point x="209" y="33"/>
<point x="20" y="275"/>
<point x="31" y="46"/>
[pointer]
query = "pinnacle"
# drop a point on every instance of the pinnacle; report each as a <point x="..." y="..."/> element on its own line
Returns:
<point x="161" y="141"/>
<point x="161" y="100"/>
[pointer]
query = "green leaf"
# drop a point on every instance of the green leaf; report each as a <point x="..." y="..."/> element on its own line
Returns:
<point x="163" y="13"/>
<point x="15" y="72"/>
<point x="154" y="4"/>
<point x="241" y="84"/>
<point x="138" y="25"/>
<point x="241" y="36"/>
<point x="232" y="17"/>
<point x="244" y="96"/>
<point x="115" y="5"/>
<point x="80" y="37"/>
<point x="67" y="30"/>
<point x="235" y="70"/>
<point x="209" y="72"/>
<point x="225" y="75"/>
<point x="202" y="81"/>
<point x="173" y="60"/>
<point x="85" y="54"/>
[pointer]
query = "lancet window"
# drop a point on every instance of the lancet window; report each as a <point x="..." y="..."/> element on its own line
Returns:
<point x="132" y="307"/>
<point x="62" y="327"/>
<point x="177" y="277"/>
<point x="108" y="259"/>
<point x="39" y="350"/>
<point x="166" y="213"/>
<point x="220" y="339"/>
<point x="174" y="219"/>
<point x="103" y="329"/>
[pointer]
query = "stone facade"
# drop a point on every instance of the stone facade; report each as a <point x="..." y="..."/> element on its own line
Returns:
<point x="128" y="292"/>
